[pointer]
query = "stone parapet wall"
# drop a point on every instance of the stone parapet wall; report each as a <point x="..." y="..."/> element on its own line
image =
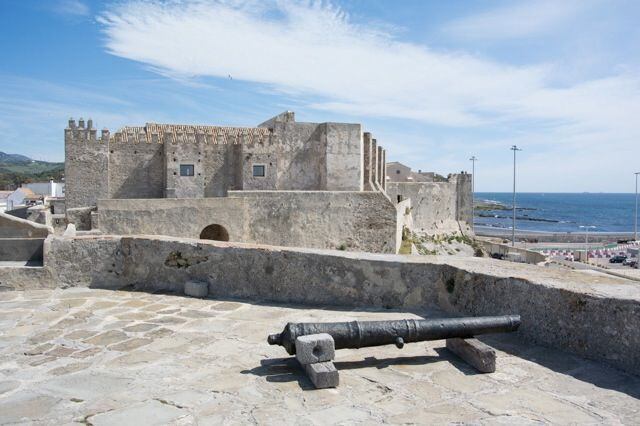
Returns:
<point x="21" y="249"/>
<point x="81" y="217"/>
<point x="437" y="207"/>
<point x="15" y="227"/>
<point x="25" y="278"/>
<point x="355" y="221"/>
<point x="594" y="316"/>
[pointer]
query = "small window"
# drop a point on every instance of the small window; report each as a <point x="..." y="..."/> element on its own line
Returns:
<point x="186" y="170"/>
<point x="258" y="170"/>
<point x="397" y="172"/>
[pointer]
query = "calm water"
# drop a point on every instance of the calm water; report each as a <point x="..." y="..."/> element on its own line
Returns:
<point x="560" y="212"/>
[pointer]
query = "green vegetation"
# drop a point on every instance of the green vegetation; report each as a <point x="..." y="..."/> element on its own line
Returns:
<point x="442" y="242"/>
<point x="12" y="175"/>
<point x="405" y="247"/>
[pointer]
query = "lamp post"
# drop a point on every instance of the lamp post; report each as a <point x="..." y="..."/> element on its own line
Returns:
<point x="635" y="218"/>
<point x="515" y="149"/>
<point x="473" y="160"/>
<point x="586" y="239"/>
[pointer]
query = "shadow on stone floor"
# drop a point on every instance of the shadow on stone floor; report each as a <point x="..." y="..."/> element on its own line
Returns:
<point x="443" y="356"/>
<point x="281" y="370"/>
<point x="593" y="372"/>
<point x="380" y="363"/>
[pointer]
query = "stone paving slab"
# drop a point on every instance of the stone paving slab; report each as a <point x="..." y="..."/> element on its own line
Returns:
<point x="114" y="357"/>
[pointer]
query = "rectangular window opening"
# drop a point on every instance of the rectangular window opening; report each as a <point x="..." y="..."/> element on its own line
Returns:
<point x="259" y="170"/>
<point x="187" y="170"/>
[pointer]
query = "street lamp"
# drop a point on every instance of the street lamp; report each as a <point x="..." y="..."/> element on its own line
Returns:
<point x="473" y="160"/>
<point x="586" y="239"/>
<point x="635" y="218"/>
<point x="514" y="148"/>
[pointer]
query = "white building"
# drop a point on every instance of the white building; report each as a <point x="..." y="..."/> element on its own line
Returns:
<point x="46" y="189"/>
<point x="398" y="172"/>
<point x="3" y="200"/>
<point x="21" y="197"/>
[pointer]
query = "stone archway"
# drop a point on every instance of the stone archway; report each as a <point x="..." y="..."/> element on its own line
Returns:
<point x="214" y="232"/>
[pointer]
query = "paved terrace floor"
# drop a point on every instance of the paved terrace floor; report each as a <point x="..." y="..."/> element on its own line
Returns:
<point x="104" y="357"/>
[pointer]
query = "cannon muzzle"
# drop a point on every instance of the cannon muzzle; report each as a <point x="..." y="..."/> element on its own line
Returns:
<point x="359" y="334"/>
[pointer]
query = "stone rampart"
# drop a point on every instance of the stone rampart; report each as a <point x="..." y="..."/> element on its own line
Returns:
<point x="81" y="217"/>
<point x="21" y="249"/>
<point x="595" y="316"/>
<point x="15" y="227"/>
<point x="437" y="207"/>
<point x="355" y="221"/>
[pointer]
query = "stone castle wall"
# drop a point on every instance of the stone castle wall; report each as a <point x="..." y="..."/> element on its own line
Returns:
<point x="437" y="207"/>
<point x="356" y="221"/>
<point x="136" y="170"/>
<point x="144" y="162"/>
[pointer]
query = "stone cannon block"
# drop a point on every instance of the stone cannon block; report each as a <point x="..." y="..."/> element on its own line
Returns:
<point x="323" y="374"/>
<point x="196" y="289"/>
<point x="314" y="348"/>
<point x="475" y="353"/>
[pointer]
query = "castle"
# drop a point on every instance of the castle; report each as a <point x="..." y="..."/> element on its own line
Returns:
<point x="282" y="183"/>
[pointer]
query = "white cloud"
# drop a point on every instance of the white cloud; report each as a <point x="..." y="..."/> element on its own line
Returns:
<point x="315" y="52"/>
<point x="72" y="7"/>
<point x="517" y="20"/>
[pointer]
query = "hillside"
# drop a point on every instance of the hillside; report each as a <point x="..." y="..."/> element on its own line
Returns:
<point x="17" y="169"/>
<point x="13" y="158"/>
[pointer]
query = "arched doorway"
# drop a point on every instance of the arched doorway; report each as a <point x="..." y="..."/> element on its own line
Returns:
<point x="214" y="232"/>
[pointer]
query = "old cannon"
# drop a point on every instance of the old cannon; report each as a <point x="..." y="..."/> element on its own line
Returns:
<point x="314" y="344"/>
<point x="360" y="334"/>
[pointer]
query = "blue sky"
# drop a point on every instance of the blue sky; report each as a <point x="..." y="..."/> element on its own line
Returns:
<point x="436" y="82"/>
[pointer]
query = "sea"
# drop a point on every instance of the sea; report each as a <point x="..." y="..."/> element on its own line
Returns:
<point x="558" y="212"/>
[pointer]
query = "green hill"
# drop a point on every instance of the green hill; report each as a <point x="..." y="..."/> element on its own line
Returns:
<point x="17" y="169"/>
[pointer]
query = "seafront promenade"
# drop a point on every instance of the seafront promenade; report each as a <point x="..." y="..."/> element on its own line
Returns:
<point x="554" y="237"/>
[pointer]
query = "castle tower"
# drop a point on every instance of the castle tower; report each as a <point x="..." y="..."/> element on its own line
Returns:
<point x="86" y="163"/>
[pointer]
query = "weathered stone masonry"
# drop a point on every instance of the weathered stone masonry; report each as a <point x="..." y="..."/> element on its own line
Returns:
<point x="159" y="162"/>
<point x="437" y="206"/>
<point x="145" y="162"/>
<point x="596" y="317"/>
<point x="153" y="164"/>
<point x="356" y="221"/>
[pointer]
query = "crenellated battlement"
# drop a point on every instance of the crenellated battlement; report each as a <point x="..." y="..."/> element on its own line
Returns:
<point x="81" y="131"/>
<point x="184" y="134"/>
<point x="170" y="133"/>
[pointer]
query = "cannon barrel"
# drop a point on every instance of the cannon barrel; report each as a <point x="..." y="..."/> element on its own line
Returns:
<point x="360" y="334"/>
